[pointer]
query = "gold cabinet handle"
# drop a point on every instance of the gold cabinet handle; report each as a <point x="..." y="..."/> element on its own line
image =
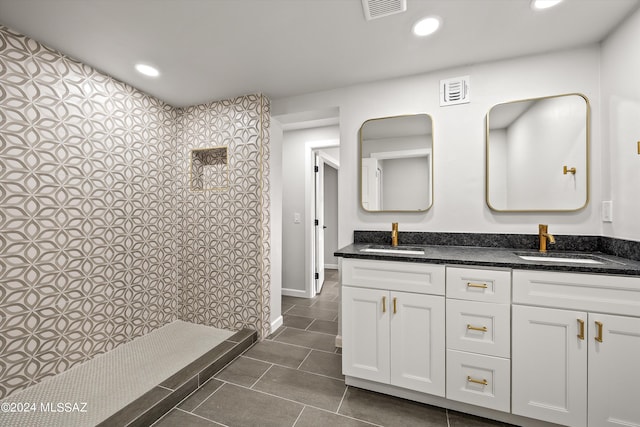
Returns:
<point x="476" y="285"/>
<point x="473" y="380"/>
<point x="477" y="328"/>
<point x="567" y="169"/>
<point x="581" y="328"/>
<point x="599" y="331"/>
<point x="384" y="304"/>
<point x="395" y="308"/>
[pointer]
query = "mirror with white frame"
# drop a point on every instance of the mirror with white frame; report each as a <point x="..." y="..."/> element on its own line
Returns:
<point x="538" y="154"/>
<point x="396" y="164"/>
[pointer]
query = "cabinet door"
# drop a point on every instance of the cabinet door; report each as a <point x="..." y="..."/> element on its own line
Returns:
<point x="418" y="342"/>
<point x="549" y="365"/>
<point x="365" y="333"/>
<point x="614" y="376"/>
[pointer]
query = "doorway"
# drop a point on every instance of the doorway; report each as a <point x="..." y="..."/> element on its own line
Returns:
<point x="325" y="208"/>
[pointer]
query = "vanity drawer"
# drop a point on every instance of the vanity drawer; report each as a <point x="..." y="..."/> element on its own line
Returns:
<point x="395" y="276"/>
<point x="479" y="327"/>
<point x="479" y="380"/>
<point x="588" y="292"/>
<point x="479" y="285"/>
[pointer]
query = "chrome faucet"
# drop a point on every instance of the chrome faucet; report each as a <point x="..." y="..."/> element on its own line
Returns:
<point x="544" y="236"/>
<point x="394" y="234"/>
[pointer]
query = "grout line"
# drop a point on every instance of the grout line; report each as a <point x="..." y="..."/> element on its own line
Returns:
<point x="312" y="322"/>
<point x="305" y="358"/>
<point x="342" y="400"/>
<point x="299" y="415"/>
<point x="263" y="374"/>
<point x="200" y="416"/>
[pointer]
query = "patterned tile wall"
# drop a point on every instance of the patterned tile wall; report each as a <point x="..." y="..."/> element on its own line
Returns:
<point x="224" y="241"/>
<point x="95" y="240"/>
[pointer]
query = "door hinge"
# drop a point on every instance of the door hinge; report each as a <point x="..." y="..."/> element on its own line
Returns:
<point x="316" y="276"/>
<point x="315" y="222"/>
<point x="316" y="169"/>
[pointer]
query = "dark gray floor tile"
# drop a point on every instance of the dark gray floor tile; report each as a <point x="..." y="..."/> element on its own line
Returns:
<point x="279" y="353"/>
<point x="323" y="363"/>
<point x="387" y="410"/>
<point x="314" y="313"/>
<point x="314" y="340"/>
<point x="297" y="301"/>
<point x="324" y="326"/>
<point x="181" y="418"/>
<point x="312" y="417"/>
<point x="191" y="402"/>
<point x="303" y="387"/>
<point x="243" y="371"/>
<point x="238" y="406"/>
<point x="326" y="305"/>
<point x="298" y="322"/>
<point x="459" y="419"/>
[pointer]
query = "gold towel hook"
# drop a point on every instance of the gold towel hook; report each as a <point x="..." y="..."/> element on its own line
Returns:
<point x="566" y="170"/>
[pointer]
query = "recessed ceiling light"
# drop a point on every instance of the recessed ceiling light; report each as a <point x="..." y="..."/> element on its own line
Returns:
<point x="426" y="26"/>
<point x="544" y="4"/>
<point x="147" y="70"/>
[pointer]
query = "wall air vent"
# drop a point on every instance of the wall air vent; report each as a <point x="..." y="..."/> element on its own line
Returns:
<point x="380" y="8"/>
<point x="454" y="91"/>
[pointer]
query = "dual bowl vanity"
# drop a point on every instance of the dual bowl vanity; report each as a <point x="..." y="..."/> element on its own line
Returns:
<point x="518" y="336"/>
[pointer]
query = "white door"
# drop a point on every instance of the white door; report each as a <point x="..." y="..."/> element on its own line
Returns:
<point x="549" y="365"/>
<point x="418" y="342"/>
<point x="319" y="222"/>
<point x="614" y="377"/>
<point x="365" y="333"/>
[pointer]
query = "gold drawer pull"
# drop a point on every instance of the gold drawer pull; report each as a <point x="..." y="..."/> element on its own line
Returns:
<point x="599" y="333"/>
<point x="395" y="309"/>
<point x="384" y="304"/>
<point x="476" y="285"/>
<point x="473" y="380"/>
<point x="477" y="328"/>
<point x="581" y="326"/>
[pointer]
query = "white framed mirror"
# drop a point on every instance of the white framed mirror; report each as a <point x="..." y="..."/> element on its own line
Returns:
<point x="537" y="154"/>
<point x="396" y="164"/>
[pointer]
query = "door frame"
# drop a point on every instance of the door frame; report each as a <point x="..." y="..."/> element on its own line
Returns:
<point x="309" y="195"/>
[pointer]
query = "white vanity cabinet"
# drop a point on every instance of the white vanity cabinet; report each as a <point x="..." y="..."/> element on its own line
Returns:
<point x="479" y="337"/>
<point x="572" y="364"/>
<point x="393" y="317"/>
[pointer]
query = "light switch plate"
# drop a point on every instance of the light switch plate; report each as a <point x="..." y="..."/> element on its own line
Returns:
<point x="607" y="211"/>
<point x="296" y="218"/>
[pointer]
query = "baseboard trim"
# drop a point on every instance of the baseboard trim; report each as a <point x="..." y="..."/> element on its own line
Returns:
<point x="276" y="324"/>
<point x="295" y="293"/>
<point x="331" y="266"/>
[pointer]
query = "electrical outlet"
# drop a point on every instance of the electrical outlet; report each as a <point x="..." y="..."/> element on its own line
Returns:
<point x="607" y="211"/>
<point x="296" y="218"/>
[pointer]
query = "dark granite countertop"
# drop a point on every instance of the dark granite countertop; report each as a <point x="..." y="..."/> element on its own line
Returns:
<point x="499" y="258"/>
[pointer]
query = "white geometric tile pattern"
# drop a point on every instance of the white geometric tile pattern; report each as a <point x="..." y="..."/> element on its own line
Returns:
<point x="100" y="239"/>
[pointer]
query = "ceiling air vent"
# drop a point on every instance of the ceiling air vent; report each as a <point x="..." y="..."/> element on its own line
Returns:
<point x="454" y="91"/>
<point x="380" y="8"/>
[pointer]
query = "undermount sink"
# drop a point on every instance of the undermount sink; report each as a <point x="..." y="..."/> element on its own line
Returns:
<point x="406" y="250"/>
<point x="577" y="259"/>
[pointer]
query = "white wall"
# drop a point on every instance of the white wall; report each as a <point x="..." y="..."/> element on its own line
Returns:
<point x="621" y="127"/>
<point x="276" y="223"/>
<point x="293" y="201"/>
<point x="459" y="140"/>
<point x="330" y="215"/>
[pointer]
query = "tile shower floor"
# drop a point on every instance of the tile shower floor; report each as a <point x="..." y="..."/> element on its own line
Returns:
<point x="293" y="378"/>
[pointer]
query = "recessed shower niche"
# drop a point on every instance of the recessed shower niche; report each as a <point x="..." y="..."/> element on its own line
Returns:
<point x="209" y="169"/>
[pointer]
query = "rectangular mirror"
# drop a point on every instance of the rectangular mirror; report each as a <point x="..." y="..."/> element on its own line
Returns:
<point x="396" y="164"/>
<point x="538" y="154"/>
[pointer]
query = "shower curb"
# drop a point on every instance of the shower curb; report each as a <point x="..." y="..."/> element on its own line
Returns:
<point x="152" y="405"/>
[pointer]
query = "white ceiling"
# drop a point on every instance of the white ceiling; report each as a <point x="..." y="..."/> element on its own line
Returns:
<point x="214" y="49"/>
